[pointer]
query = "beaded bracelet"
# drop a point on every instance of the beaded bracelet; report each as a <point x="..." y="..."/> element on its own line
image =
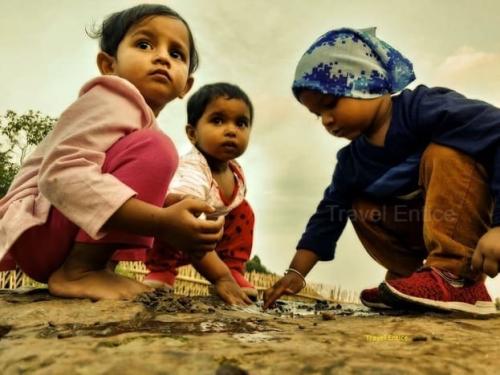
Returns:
<point x="297" y="273"/>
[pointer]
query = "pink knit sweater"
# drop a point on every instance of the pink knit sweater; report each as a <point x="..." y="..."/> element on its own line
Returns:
<point x="65" y="169"/>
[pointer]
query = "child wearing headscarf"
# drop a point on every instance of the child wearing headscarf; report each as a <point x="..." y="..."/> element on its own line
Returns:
<point x="420" y="179"/>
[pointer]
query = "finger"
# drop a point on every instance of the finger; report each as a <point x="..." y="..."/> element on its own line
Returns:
<point x="240" y="301"/>
<point x="210" y="237"/>
<point x="477" y="261"/>
<point x="243" y="299"/>
<point x="230" y="300"/>
<point x="273" y="296"/>
<point x="246" y="299"/>
<point x="197" y="206"/>
<point x="268" y="301"/>
<point x="172" y="198"/>
<point x="490" y="267"/>
<point x="220" y="221"/>
<point x="266" y="294"/>
<point x="210" y="226"/>
<point x="201" y="239"/>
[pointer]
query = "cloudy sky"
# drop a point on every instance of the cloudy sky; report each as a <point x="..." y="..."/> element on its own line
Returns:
<point x="46" y="57"/>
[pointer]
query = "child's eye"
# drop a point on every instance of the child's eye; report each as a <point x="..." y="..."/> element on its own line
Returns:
<point x="217" y="120"/>
<point x="144" y="45"/>
<point x="242" y="123"/>
<point x="178" y="55"/>
<point x="331" y="103"/>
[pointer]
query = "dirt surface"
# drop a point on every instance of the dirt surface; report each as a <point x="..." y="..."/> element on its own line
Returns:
<point x="164" y="334"/>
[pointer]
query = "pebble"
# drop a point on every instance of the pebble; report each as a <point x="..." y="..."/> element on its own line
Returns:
<point x="327" y="316"/>
<point x="419" y="338"/>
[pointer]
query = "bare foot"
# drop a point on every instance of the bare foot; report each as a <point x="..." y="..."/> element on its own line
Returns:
<point x="84" y="275"/>
<point x="95" y="285"/>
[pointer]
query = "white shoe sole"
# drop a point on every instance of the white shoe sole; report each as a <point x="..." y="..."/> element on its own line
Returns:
<point x="374" y="305"/>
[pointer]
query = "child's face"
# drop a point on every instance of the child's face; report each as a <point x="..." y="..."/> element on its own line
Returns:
<point x="223" y="130"/>
<point x="154" y="57"/>
<point x="341" y="116"/>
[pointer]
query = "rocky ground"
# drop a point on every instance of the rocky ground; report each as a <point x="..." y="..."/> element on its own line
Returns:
<point x="164" y="334"/>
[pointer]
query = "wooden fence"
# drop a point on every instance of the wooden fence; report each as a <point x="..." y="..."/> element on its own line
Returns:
<point x="190" y="282"/>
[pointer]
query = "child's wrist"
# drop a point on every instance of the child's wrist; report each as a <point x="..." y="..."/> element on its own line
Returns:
<point x="297" y="274"/>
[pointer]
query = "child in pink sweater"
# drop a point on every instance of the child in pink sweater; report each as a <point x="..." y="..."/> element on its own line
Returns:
<point x="98" y="180"/>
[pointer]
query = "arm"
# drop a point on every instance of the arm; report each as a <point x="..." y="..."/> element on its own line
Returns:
<point x="177" y="224"/>
<point x="212" y="268"/>
<point x="303" y="261"/>
<point x="216" y="271"/>
<point x="317" y="243"/>
<point x="70" y="175"/>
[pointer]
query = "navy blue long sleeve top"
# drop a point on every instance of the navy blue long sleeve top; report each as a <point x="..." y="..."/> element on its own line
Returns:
<point x="419" y="117"/>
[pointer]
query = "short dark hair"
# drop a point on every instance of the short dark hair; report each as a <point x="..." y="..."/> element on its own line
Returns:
<point x="198" y="102"/>
<point x="115" y="27"/>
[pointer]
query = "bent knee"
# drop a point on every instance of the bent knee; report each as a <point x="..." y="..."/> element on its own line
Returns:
<point x="156" y="150"/>
<point x="436" y="154"/>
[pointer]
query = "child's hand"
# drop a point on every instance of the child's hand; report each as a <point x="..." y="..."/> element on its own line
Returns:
<point x="291" y="283"/>
<point x="181" y="228"/>
<point x="486" y="257"/>
<point x="217" y="272"/>
<point x="230" y="292"/>
<point x="173" y="198"/>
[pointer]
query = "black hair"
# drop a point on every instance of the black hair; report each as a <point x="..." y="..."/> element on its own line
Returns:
<point x="198" y="102"/>
<point x="115" y="27"/>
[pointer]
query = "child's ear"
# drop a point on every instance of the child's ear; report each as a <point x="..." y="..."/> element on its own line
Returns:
<point x="188" y="86"/>
<point x="191" y="133"/>
<point x="105" y="63"/>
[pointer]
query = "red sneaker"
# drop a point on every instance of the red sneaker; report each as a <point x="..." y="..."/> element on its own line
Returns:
<point x="371" y="298"/>
<point x="160" y="280"/>
<point x="7" y="263"/>
<point x="244" y="284"/>
<point x="426" y="289"/>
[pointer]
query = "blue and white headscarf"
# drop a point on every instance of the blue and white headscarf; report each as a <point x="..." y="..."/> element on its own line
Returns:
<point x="352" y="63"/>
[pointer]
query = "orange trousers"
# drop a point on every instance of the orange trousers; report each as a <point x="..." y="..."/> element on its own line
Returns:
<point x="440" y="227"/>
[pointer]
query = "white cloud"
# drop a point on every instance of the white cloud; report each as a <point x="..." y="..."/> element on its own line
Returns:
<point x="473" y="72"/>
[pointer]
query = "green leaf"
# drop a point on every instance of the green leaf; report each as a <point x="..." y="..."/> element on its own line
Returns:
<point x="19" y="134"/>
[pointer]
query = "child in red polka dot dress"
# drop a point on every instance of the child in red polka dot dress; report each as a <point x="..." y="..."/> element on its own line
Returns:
<point x="219" y="123"/>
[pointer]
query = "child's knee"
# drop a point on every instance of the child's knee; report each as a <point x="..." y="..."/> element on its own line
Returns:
<point x="448" y="169"/>
<point x="157" y="150"/>
<point x="442" y="157"/>
<point x="143" y="151"/>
